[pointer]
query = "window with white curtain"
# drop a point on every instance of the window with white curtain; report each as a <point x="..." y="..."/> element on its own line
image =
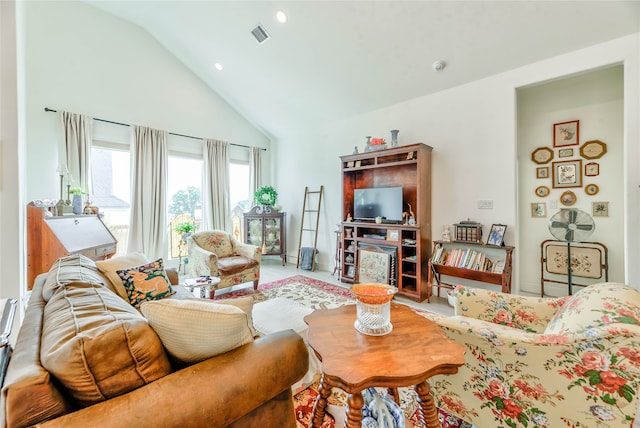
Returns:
<point x="111" y="188"/>
<point x="239" y="185"/>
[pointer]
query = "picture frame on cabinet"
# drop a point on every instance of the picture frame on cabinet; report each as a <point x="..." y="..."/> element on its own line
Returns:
<point x="566" y="133"/>
<point x="538" y="209"/>
<point x="592" y="169"/>
<point x="600" y="209"/>
<point x="567" y="174"/>
<point x="351" y="271"/>
<point x="392" y="234"/>
<point x="542" y="172"/>
<point x="565" y="153"/>
<point x="496" y="235"/>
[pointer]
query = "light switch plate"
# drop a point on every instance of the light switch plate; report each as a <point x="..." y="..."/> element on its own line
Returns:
<point x="485" y="204"/>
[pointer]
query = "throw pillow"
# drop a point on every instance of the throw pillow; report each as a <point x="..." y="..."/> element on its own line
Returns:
<point x="244" y="303"/>
<point x="145" y="282"/>
<point x="194" y="330"/>
<point x="109" y="269"/>
<point x="97" y="345"/>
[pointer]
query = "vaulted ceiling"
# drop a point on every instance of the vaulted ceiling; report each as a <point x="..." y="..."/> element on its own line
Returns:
<point x="335" y="59"/>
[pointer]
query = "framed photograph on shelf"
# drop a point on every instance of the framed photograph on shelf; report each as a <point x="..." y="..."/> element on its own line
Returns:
<point x="566" y="133"/>
<point x="567" y="174"/>
<point x="542" y="172"/>
<point x="565" y="153"/>
<point x="351" y="271"/>
<point x="592" y="169"/>
<point x="392" y="234"/>
<point x="600" y="209"/>
<point x="496" y="235"/>
<point x="538" y="209"/>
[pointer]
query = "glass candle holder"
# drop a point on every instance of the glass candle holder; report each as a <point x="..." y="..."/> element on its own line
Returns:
<point x="373" y="308"/>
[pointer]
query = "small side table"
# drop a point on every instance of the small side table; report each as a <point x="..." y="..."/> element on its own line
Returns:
<point x="206" y="286"/>
<point x="414" y="351"/>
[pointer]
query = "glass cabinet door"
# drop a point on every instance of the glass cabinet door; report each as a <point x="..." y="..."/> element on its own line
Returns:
<point x="272" y="235"/>
<point x="254" y="231"/>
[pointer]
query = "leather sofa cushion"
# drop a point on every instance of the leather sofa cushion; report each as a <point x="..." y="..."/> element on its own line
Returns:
<point x="235" y="264"/>
<point x="194" y="330"/>
<point x="97" y="345"/>
<point x="110" y="267"/>
<point x="71" y="268"/>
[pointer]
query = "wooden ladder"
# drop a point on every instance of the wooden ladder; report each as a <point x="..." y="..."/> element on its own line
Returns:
<point x="306" y="212"/>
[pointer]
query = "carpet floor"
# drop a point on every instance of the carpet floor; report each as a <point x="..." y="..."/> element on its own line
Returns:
<point x="318" y="294"/>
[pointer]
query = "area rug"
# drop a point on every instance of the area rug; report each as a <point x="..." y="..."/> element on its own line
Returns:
<point x="318" y="294"/>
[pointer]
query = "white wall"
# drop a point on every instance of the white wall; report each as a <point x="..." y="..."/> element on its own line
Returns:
<point x="596" y="99"/>
<point x="472" y="129"/>
<point x="83" y="60"/>
<point x="11" y="161"/>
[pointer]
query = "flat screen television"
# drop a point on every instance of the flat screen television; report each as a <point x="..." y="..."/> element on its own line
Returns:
<point x="386" y="202"/>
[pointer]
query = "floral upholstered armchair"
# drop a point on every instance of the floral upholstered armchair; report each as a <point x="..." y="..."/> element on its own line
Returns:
<point x="542" y="362"/>
<point x="217" y="253"/>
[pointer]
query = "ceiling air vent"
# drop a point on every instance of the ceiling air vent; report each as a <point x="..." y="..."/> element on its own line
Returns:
<point x="260" y="34"/>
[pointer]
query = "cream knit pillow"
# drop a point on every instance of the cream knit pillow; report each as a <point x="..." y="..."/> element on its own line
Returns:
<point x="194" y="330"/>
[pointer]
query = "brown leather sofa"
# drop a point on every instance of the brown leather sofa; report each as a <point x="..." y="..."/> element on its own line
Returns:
<point x="249" y="386"/>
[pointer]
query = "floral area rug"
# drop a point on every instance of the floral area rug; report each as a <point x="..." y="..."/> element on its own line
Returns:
<point x="318" y="294"/>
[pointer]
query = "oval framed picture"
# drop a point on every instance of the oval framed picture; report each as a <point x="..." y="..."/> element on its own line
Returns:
<point x="542" y="191"/>
<point x="568" y="198"/>
<point x="591" y="189"/>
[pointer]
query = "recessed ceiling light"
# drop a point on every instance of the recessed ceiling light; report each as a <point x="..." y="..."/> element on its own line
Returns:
<point x="281" y="16"/>
<point x="218" y="66"/>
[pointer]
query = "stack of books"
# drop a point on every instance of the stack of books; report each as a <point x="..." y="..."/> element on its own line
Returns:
<point x="466" y="258"/>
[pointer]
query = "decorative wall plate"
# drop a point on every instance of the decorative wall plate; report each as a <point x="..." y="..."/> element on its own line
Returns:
<point x="542" y="155"/>
<point x="568" y="198"/>
<point x="542" y="191"/>
<point x="591" y="189"/>
<point x="593" y="149"/>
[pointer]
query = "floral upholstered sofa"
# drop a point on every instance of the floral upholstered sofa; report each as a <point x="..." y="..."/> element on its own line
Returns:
<point x="541" y="362"/>
<point x="217" y="253"/>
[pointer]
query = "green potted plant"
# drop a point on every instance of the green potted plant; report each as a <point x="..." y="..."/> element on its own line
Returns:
<point x="266" y="195"/>
<point x="185" y="229"/>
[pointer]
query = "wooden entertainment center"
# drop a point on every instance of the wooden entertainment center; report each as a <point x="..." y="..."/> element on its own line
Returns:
<point x="407" y="245"/>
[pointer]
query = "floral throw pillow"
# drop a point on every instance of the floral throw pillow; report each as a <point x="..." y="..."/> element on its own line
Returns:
<point x="146" y="282"/>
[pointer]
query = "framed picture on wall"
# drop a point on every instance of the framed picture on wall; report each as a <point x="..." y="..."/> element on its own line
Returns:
<point x="567" y="174"/>
<point x="566" y="133"/>
<point x="565" y="153"/>
<point x="538" y="209"/>
<point x="591" y="169"/>
<point x="542" y="172"/>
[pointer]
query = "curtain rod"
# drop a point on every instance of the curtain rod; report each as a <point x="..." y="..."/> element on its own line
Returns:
<point x="47" y="109"/>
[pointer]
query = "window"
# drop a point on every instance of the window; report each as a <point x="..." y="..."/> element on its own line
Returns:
<point x="184" y="198"/>
<point x="239" y="186"/>
<point x="111" y="190"/>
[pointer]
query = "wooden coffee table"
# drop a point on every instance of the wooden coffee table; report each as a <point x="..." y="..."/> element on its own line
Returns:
<point x="414" y="351"/>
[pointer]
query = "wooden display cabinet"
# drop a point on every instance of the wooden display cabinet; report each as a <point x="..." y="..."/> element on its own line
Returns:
<point x="408" y="167"/>
<point x="502" y="256"/>
<point x="266" y="228"/>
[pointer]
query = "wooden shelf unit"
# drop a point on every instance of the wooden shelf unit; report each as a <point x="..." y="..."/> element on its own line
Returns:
<point x="436" y="271"/>
<point x="408" y="167"/>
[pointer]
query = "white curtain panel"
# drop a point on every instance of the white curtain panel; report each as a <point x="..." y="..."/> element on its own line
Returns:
<point x="255" y="170"/>
<point x="215" y="191"/>
<point x="75" y="148"/>
<point x="148" y="229"/>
